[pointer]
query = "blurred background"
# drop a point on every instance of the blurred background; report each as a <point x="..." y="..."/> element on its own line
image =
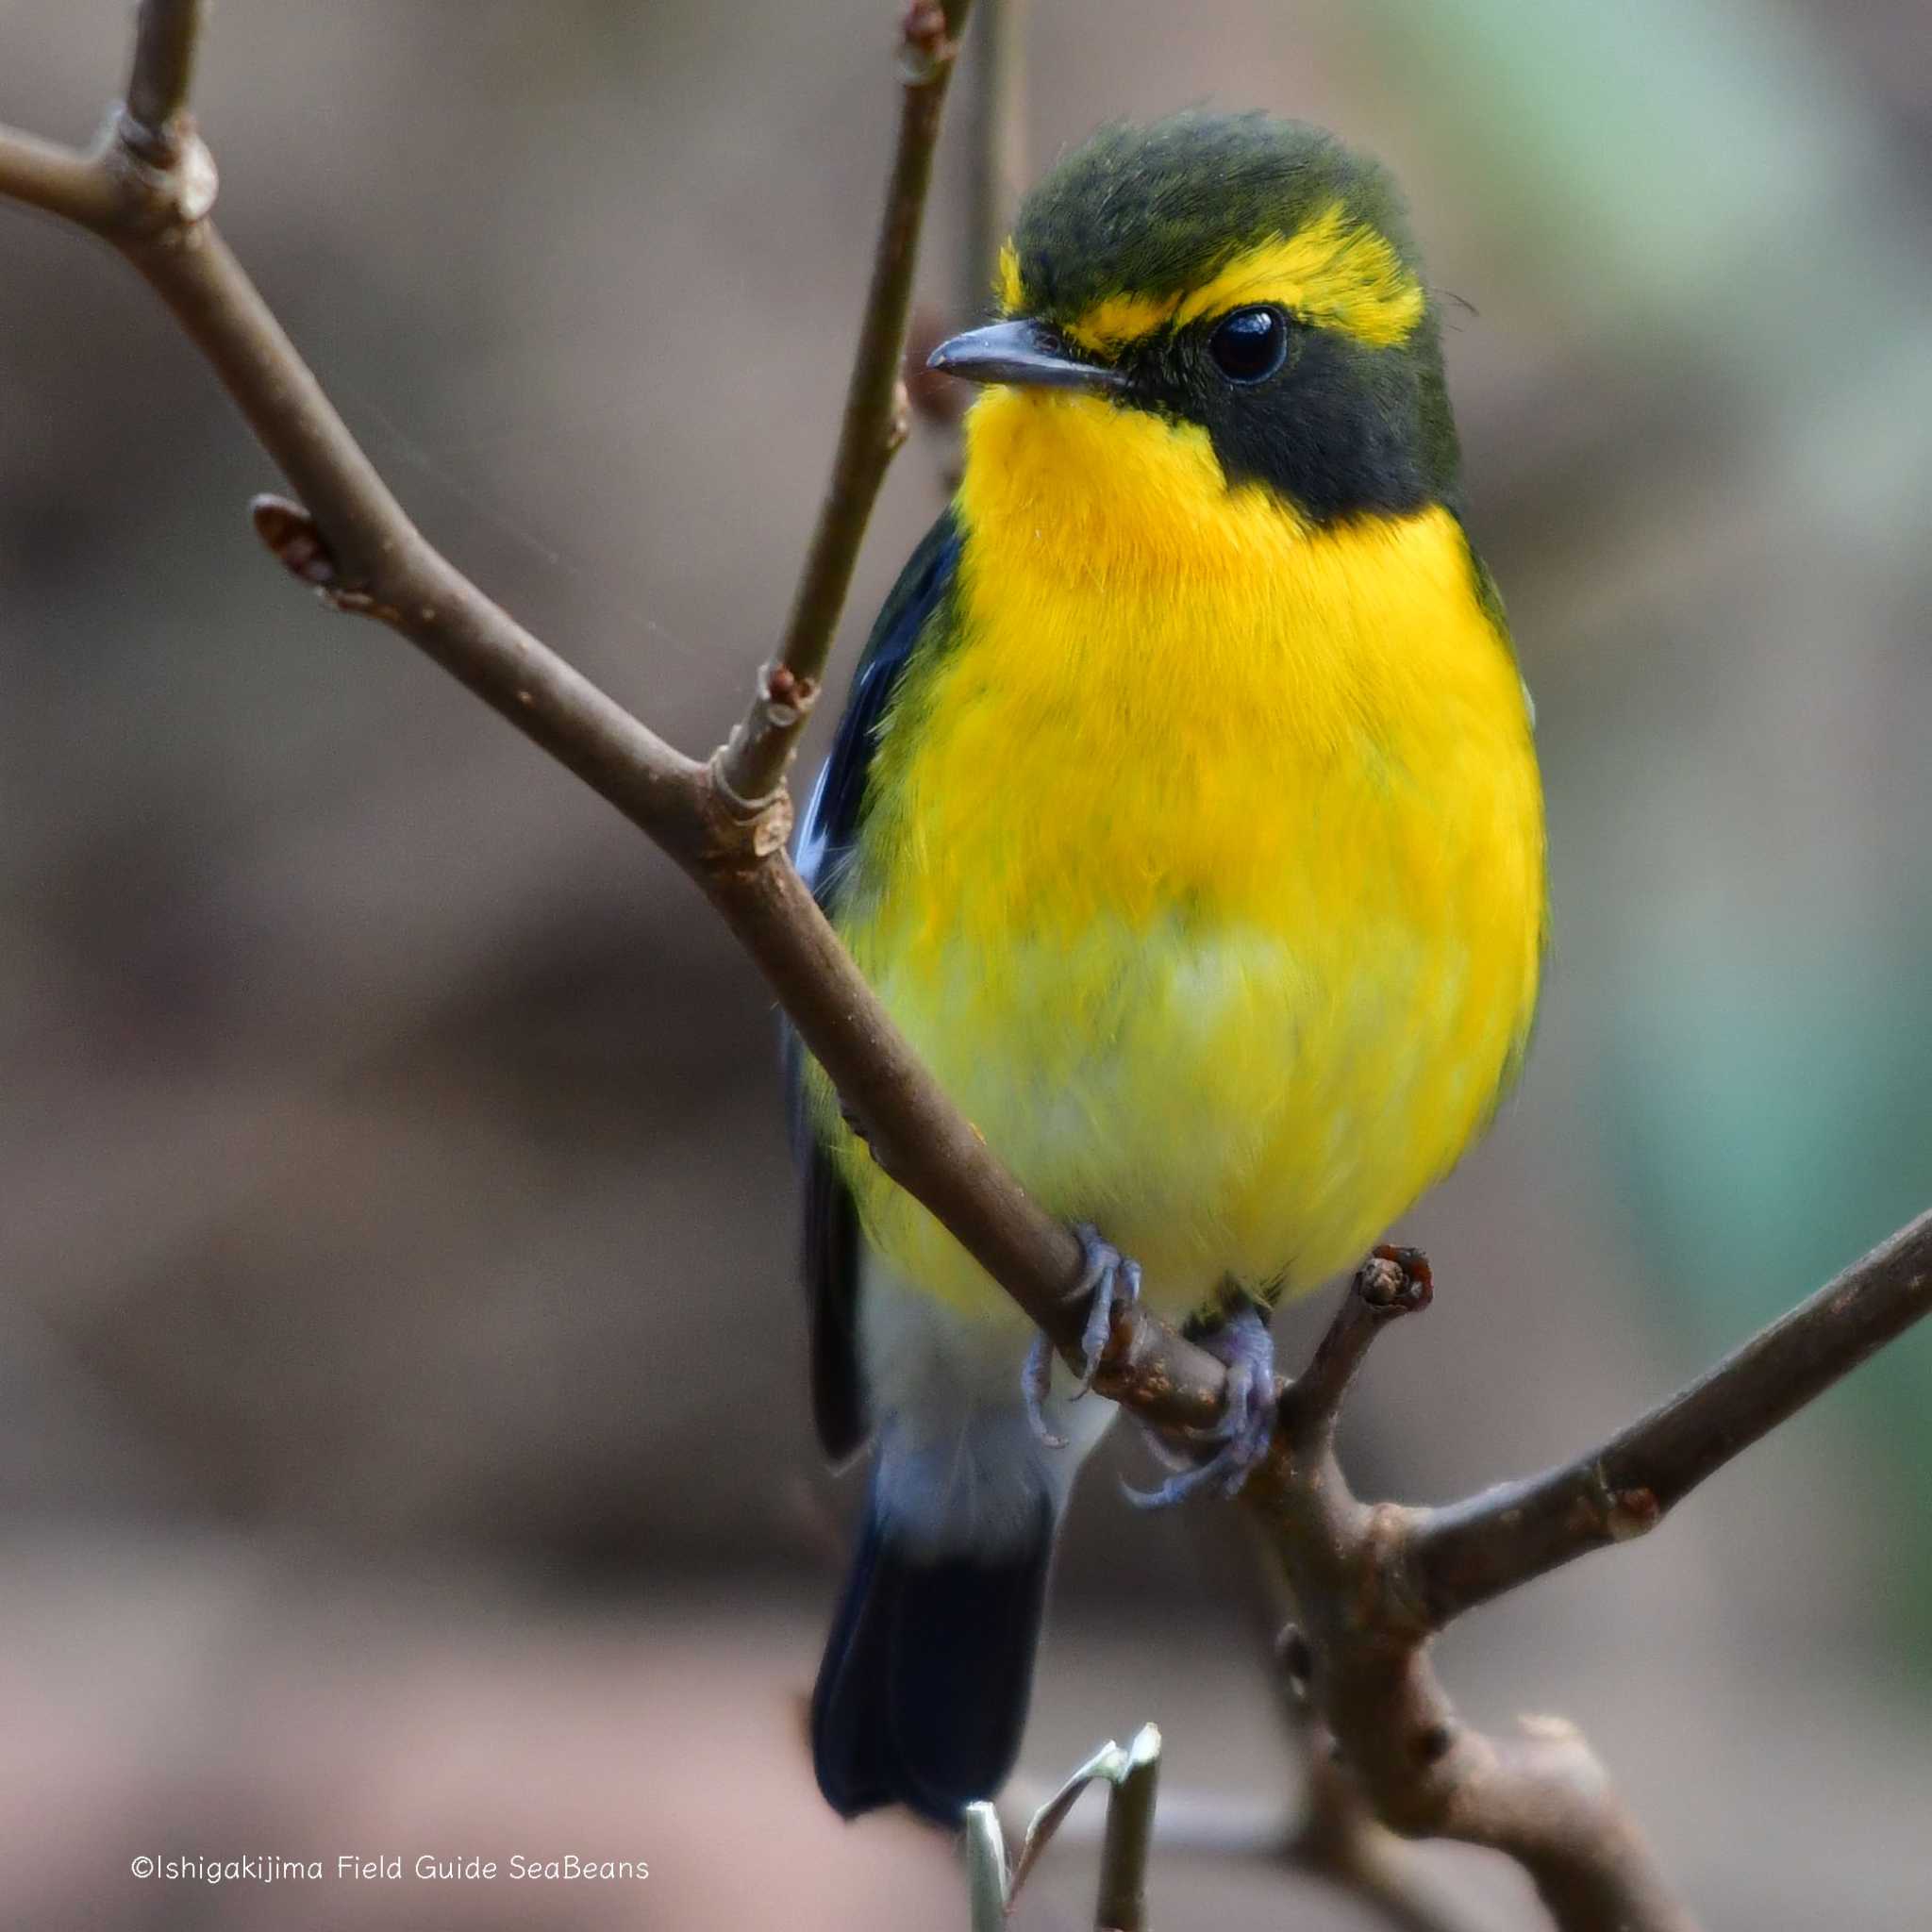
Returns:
<point x="403" y="1443"/>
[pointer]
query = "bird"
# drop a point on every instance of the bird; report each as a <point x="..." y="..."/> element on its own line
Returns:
<point x="1184" y="815"/>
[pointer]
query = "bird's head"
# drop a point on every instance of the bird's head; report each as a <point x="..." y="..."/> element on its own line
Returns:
<point x="1213" y="305"/>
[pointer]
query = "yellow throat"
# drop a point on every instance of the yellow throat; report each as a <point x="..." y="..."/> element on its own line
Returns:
<point x="1205" y="860"/>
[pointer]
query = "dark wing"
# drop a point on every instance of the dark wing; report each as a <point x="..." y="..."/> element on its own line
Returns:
<point x="828" y="836"/>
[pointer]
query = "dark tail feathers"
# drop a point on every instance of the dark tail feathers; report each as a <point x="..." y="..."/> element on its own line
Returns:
<point x="921" y="1696"/>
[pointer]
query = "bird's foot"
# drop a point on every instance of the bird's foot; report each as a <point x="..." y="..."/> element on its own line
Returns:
<point x="1112" y="1282"/>
<point x="1245" y="1345"/>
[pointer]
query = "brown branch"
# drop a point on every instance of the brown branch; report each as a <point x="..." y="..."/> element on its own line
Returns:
<point x="752" y="766"/>
<point x="350" y="539"/>
<point x="1343" y="1844"/>
<point x="1333" y="1836"/>
<point x="1475" y="1550"/>
<point x="1362" y="1658"/>
<point x="1391" y="1283"/>
<point x="56" y="181"/>
<point x="360" y="549"/>
<point x="167" y="37"/>
<point x="737" y="858"/>
<point x="999" y="139"/>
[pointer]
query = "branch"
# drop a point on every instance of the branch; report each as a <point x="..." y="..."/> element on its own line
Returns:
<point x="1464" y="1555"/>
<point x="1361" y="1656"/>
<point x="56" y="181"/>
<point x="999" y="139"/>
<point x="1121" y="1905"/>
<point x="1333" y="1836"/>
<point x="1373" y="1583"/>
<point x="986" y="1868"/>
<point x="1392" y="1282"/>
<point x="1341" y="1842"/>
<point x="1132" y="1777"/>
<point x="167" y="37"/>
<point x="752" y="766"/>
<point x="149" y="170"/>
<point x="350" y="540"/>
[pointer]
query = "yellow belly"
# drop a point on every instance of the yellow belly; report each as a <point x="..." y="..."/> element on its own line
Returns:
<point x="1209" y="883"/>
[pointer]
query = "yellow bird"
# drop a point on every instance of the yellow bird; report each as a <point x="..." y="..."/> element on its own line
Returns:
<point x="1184" y="815"/>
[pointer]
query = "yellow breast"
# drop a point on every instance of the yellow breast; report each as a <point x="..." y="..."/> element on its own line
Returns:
<point x="1204" y="865"/>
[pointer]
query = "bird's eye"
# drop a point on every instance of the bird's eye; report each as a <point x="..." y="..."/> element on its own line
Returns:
<point x="1251" y="345"/>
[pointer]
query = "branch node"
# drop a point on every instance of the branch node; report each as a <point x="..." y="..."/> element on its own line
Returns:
<point x="1295" y="1657"/>
<point x="765" y="823"/>
<point x="789" y="696"/>
<point x="293" y="540"/>
<point x="1398" y="1280"/>
<point x="1632" y="1513"/>
<point x="899" y="424"/>
<point x="168" y="173"/>
<point x="926" y="46"/>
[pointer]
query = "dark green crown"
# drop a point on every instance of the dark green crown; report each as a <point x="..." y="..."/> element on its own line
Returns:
<point x="1157" y="209"/>
<point x="1348" y="427"/>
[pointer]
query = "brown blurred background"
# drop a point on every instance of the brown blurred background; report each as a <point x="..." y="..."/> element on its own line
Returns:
<point x="402" y="1435"/>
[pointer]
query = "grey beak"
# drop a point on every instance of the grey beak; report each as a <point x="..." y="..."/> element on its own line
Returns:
<point x="1024" y="353"/>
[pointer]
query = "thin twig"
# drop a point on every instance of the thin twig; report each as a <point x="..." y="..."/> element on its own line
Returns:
<point x="1106" y="1766"/>
<point x="986" y="1868"/>
<point x="1391" y="1283"/>
<point x="752" y="766"/>
<point x="1475" y="1550"/>
<point x="1380" y="1873"/>
<point x="999" y="139"/>
<point x="167" y="37"/>
<point x="1121" y="1904"/>
<point x="56" y="181"/>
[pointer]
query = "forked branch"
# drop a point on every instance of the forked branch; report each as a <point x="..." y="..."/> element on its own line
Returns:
<point x="350" y="540"/>
<point x="1373" y="1583"/>
<point x="1361" y="1657"/>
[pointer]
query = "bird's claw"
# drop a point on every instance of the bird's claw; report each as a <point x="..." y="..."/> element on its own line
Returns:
<point x="1036" y="1378"/>
<point x="1246" y="1345"/>
<point x="1112" y="1283"/>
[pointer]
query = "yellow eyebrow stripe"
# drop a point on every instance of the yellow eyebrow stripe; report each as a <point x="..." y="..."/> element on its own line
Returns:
<point x="1006" y="280"/>
<point x="1334" y="273"/>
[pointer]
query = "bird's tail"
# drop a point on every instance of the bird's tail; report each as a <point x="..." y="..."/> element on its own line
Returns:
<point x="921" y="1697"/>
